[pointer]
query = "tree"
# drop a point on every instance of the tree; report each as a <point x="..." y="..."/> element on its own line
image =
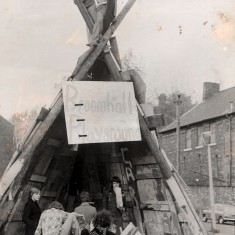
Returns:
<point x="131" y="61"/>
<point x="166" y="105"/>
<point x="22" y="121"/>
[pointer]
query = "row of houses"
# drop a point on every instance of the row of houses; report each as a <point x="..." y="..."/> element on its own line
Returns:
<point x="215" y="114"/>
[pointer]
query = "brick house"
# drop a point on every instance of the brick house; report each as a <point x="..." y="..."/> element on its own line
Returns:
<point x="6" y="143"/>
<point x="216" y="113"/>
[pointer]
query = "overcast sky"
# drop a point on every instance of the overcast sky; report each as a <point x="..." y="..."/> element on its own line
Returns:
<point x="179" y="43"/>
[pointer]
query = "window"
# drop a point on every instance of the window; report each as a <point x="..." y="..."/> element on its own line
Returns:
<point x="217" y="165"/>
<point x="212" y="130"/>
<point x="200" y="162"/>
<point x="199" y="136"/>
<point x="185" y="170"/>
<point x="188" y="139"/>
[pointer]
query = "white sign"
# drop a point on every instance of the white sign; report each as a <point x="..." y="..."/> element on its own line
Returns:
<point x="98" y="112"/>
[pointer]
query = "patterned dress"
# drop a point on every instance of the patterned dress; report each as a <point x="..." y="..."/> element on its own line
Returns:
<point x="50" y="222"/>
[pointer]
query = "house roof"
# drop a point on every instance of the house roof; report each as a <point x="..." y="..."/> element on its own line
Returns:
<point x="215" y="106"/>
<point x="5" y="122"/>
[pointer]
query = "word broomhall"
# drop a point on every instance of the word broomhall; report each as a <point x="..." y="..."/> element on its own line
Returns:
<point x="98" y="112"/>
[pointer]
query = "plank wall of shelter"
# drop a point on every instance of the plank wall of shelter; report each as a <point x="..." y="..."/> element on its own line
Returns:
<point x="155" y="201"/>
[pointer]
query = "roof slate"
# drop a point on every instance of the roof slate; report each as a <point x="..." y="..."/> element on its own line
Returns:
<point x="215" y="106"/>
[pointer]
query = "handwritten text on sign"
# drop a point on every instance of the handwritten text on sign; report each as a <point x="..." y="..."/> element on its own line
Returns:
<point x="97" y="112"/>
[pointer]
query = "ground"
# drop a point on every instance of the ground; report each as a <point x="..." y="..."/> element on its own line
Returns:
<point x="225" y="229"/>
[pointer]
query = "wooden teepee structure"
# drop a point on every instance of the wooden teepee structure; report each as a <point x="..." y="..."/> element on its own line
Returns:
<point x="45" y="160"/>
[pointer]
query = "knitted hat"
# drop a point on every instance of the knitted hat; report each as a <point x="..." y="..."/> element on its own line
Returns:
<point x="85" y="196"/>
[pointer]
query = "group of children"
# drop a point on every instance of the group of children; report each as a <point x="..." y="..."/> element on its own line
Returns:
<point x="84" y="220"/>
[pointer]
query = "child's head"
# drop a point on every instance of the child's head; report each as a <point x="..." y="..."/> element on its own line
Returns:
<point x="56" y="205"/>
<point x="85" y="196"/>
<point x="115" y="181"/>
<point x="35" y="194"/>
<point x="102" y="219"/>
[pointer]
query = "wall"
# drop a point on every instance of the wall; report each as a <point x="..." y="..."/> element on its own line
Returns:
<point x="194" y="160"/>
<point x="223" y="195"/>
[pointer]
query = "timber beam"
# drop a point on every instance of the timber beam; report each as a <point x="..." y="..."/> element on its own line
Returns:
<point x="106" y="37"/>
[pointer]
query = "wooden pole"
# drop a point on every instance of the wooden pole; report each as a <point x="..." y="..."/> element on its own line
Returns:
<point x="178" y="102"/>
<point x="97" y="50"/>
<point x="213" y="223"/>
<point x="85" y="14"/>
<point x="165" y="169"/>
<point x="115" y="51"/>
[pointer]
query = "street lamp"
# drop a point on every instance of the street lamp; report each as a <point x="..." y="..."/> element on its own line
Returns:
<point x="207" y="135"/>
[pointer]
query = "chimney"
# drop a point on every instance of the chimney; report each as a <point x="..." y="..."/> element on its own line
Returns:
<point x="210" y="88"/>
<point x="162" y="99"/>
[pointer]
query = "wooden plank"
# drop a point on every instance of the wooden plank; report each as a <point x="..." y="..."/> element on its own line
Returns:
<point x="85" y="14"/>
<point x="67" y="152"/>
<point x="162" y="222"/>
<point x="155" y="207"/>
<point x="10" y="175"/>
<point x="13" y="158"/>
<point x="31" y="134"/>
<point x="145" y="160"/>
<point x="54" y="143"/>
<point x="46" y="157"/>
<point x="157" y="154"/>
<point x="42" y="114"/>
<point x="126" y="75"/>
<point x="38" y="178"/>
<point x="148" y="176"/>
<point x="153" y="223"/>
<point x="139" y="86"/>
<point x="109" y="14"/>
<point x="112" y="67"/>
<point x="148" y="169"/>
<point x="114" y="158"/>
<point x="19" y="200"/>
<point x="115" y="51"/>
<point x="80" y="63"/>
<point x="49" y="194"/>
<point x="151" y="191"/>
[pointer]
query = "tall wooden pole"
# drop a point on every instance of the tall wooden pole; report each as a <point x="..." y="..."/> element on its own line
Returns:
<point x="213" y="224"/>
<point x="178" y="102"/>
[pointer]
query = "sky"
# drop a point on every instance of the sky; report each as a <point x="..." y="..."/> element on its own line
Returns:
<point x="178" y="44"/>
